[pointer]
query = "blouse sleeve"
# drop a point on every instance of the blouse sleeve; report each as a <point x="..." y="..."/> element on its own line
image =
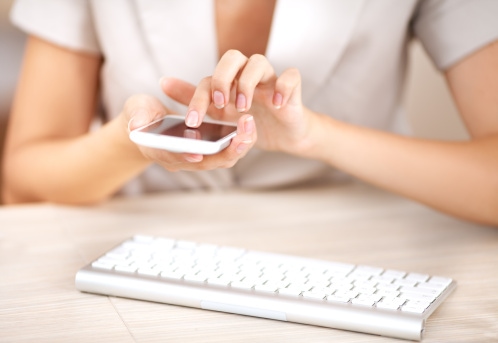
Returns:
<point x="67" y="23"/>
<point x="453" y="29"/>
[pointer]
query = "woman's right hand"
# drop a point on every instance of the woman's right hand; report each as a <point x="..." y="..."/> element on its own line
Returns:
<point x="140" y="110"/>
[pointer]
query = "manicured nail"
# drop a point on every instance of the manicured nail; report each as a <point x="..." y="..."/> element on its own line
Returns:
<point x="249" y="125"/>
<point x="192" y="118"/>
<point x="277" y="100"/>
<point x="218" y="99"/>
<point x="241" y="102"/>
<point x="193" y="158"/>
<point x="139" y="119"/>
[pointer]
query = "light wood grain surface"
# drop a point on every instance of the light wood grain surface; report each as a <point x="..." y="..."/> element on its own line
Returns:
<point x="43" y="246"/>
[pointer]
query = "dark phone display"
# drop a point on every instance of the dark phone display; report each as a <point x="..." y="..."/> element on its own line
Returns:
<point x="176" y="128"/>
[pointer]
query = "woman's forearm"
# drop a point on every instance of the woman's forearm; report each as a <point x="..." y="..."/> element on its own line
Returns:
<point x="459" y="178"/>
<point x="80" y="170"/>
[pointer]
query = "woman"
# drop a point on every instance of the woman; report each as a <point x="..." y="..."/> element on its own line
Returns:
<point x="315" y="86"/>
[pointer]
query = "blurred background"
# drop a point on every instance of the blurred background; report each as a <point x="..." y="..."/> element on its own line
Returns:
<point x="431" y="110"/>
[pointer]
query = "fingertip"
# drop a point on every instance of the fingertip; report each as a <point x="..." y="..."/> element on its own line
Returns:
<point x="218" y="99"/>
<point x="192" y="119"/>
<point x="249" y="124"/>
<point x="241" y="102"/>
<point x="163" y="81"/>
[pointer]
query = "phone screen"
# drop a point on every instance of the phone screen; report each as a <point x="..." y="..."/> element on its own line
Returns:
<point x="176" y="127"/>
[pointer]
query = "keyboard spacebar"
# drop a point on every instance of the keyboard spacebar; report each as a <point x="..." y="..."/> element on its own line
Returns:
<point x="245" y="310"/>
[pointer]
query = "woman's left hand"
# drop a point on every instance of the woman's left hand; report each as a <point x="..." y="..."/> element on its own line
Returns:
<point x="240" y="84"/>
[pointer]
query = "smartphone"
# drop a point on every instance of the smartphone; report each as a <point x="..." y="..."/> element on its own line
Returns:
<point x="170" y="133"/>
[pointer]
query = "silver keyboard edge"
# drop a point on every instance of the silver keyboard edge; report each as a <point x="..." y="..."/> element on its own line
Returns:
<point x="337" y="316"/>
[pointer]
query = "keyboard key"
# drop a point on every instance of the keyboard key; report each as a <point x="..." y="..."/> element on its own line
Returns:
<point x="289" y="291"/>
<point x="148" y="271"/>
<point x="417" y="277"/>
<point x="143" y="239"/>
<point x="418" y="290"/>
<point x="413" y="309"/>
<point x="363" y="302"/>
<point x="338" y="298"/>
<point x="175" y="275"/>
<point x="387" y="305"/>
<point x="442" y="281"/>
<point x="218" y="282"/>
<point x="195" y="278"/>
<point x="434" y="286"/>
<point x="403" y="282"/>
<point x="242" y="285"/>
<point x="103" y="265"/>
<point x="126" y="269"/>
<point x="388" y="293"/>
<point x="393" y="273"/>
<point x="267" y="288"/>
<point x="313" y="295"/>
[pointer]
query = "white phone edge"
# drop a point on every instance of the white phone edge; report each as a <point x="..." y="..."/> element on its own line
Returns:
<point x="182" y="145"/>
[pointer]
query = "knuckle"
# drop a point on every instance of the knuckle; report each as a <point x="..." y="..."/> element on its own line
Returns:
<point x="257" y="58"/>
<point x="289" y="80"/>
<point x="205" y="80"/>
<point x="233" y="53"/>
<point x="294" y="72"/>
<point x="217" y="81"/>
<point x="284" y="84"/>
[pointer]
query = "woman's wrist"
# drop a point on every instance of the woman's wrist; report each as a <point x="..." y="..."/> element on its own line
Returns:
<point x="316" y="143"/>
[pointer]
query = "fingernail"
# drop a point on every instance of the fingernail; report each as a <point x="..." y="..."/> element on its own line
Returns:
<point x="193" y="158"/>
<point x="139" y="119"/>
<point x="192" y="118"/>
<point x="218" y="99"/>
<point x="241" y="147"/>
<point x="277" y="100"/>
<point x="249" y="125"/>
<point x="241" y="102"/>
<point x="129" y="125"/>
<point x="161" y="80"/>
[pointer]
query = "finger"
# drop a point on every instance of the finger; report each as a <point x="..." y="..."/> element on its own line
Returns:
<point x="177" y="90"/>
<point x="224" y="75"/>
<point x="243" y="141"/>
<point x="183" y="92"/>
<point x="287" y="88"/>
<point x="256" y="71"/>
<point x="199" y="103"/>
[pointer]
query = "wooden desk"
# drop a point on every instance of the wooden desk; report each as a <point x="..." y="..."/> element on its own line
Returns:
<point x="42" y="247"/>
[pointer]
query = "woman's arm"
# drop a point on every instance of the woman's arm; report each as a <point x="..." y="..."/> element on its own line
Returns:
<point x="459" y="178"/>
<point x="50" y="154"/>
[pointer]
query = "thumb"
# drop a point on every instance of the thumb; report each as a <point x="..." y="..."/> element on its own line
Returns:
<point x="140" y="110"/>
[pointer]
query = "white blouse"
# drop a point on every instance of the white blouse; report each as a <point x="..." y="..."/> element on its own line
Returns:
<point x="352" y="55"/>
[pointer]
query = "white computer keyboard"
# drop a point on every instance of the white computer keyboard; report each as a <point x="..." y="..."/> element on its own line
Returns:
<point x="275" y="286"/>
